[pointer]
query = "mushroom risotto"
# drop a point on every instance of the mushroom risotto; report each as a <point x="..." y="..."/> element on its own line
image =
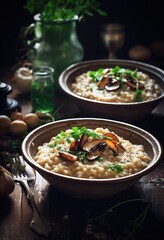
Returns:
<point x="116" y="85"/>
<point x="88" y="153"/>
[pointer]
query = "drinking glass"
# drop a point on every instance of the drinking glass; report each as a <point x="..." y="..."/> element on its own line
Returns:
<point x="42" y="89"/>
<point x="113" y="36"/>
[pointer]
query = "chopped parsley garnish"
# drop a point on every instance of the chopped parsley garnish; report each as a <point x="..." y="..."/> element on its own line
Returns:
<point x="76" y="133"/>
<point x="115" y="72"/>
<point x="116" y="167"/>
<point x="96" y="75"/>
<point x="59" y="137"/>
<point x="112" y="79"/>
<point x="124" y="71"/>
<point x="137" y="95"/>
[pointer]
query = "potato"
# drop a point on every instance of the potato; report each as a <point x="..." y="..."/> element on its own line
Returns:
<point x="4" y="124"/>
<point x="31" y="119"/>
<point x="18" y="127"/>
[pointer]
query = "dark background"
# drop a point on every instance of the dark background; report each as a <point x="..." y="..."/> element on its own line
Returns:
<point x="143" y="20"/>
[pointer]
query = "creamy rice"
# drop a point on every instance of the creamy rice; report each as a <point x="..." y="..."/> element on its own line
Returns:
<point x="130" y="158"/>
<point x="87" y="87"/>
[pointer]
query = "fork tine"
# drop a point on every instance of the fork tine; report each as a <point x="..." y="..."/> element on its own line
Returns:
<point x="18" y="168"/>
<point x="13" y="165"/>
<point x="18" y="165"/>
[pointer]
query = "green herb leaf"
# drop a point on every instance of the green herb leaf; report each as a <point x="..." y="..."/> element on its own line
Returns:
<point x="116" y="167"/>
<point x="76" y="133"/>
<point x="124" y="72"/>
<point x="63" y="9"/>
<point x="137" y="95"/>
<point x="96" y="75"/>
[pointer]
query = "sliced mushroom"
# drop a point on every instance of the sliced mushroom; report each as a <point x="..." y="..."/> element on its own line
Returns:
<point x="134" y="84"/>
<point x="104" y="81"/>
<point x="120" y="147"/>
<point x="113" y="85"/>
<point x="106" y="70"/>
<point x="91" y="156"/>
<point x="91" y="146"/>
<point x="83" y="140"/>
<point x="68" y="156"/>
<point x="115" y="140"/>
<point x="112" y="136"/>
<point x="74" y="146"/>
<point x="101" y="146"/>
<point x="112" y="146"/>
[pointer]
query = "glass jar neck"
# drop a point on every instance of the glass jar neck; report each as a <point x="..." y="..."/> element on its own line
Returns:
<point x="37" y="19"/>
<point x="43" y="71"/>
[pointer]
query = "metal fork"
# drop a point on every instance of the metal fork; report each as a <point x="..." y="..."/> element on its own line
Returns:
<point x="38" y="222"/>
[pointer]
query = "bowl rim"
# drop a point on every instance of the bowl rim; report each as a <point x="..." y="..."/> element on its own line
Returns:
<point x="150" y="138"/>
<point x="148" y="67"/>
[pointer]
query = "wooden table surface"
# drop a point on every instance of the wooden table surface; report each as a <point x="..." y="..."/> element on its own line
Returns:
<point x="75" y="219"/>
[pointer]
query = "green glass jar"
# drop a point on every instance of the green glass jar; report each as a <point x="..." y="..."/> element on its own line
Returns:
<point x="55" y="44"/>
<point x="42" y="90"/>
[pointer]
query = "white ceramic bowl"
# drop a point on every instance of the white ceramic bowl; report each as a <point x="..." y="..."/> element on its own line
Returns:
<point x="128" y="112"/>
<point x="90" y="188"/>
